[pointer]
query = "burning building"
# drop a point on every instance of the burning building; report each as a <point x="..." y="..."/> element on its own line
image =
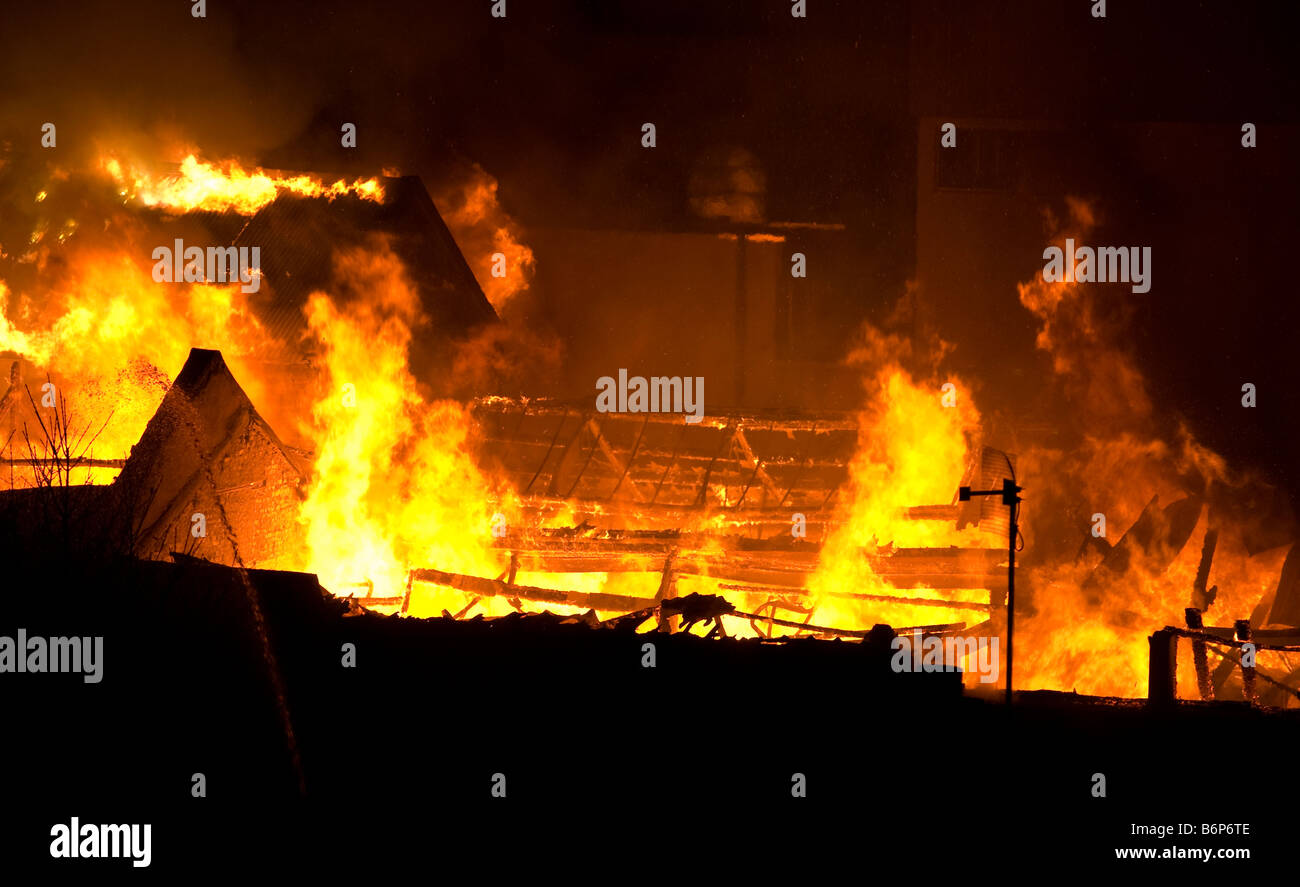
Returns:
<point x="751" y="400"/>
<point x="321" y="435"/>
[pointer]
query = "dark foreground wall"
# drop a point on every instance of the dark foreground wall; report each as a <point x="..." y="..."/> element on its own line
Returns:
<point x="393" y="759"/>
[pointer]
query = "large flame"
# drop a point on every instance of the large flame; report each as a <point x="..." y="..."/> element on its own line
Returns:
<point x="395" y="485"/>
<point x="226" y="186"/>
<point x="110" y="338"/>
<point x="912" y="450"/>
<point x="1085" y="628"/>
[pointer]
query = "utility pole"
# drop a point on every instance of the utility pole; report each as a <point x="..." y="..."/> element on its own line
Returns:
<point x="1011" y="499"/>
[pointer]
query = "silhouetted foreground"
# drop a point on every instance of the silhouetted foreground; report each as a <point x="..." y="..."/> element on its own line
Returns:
<point x="306" y="758"/>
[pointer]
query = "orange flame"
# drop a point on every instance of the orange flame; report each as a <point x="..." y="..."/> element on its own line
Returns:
<point x="86" y="333"/>
<point x="501" y="263"/>
<point x="394" y="485"/>
<point x="226" y="186"/>
<point x="912" y="450"/>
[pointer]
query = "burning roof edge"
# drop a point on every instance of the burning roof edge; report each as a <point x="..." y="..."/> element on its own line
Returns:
<point x="298" y="237"/>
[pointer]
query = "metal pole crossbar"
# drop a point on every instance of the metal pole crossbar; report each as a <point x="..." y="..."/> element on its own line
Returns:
<point x="1011" y="499"/>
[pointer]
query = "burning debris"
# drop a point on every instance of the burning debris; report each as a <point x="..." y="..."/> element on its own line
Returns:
<point x="408" y="431"/>
<point x="348" y="458"/>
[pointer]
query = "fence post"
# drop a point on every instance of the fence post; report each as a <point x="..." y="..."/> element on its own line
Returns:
<point x="1241" y="629"/>
<point x="1161" y="667"/>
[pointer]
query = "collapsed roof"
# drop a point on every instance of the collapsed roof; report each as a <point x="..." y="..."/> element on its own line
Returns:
<point x="756" y="468"/>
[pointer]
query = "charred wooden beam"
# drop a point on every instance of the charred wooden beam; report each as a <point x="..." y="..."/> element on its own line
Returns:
<point x="569" y="456"/>
<point x="862" y="596"/>
<point x="636" y="447"/>
<point x="465" y="609"/>
<point x="379" y="601"/>
<point x="747" y="453"/>
<point x="1203" y="682"/>
<point x="495" y="587"/>
<point x="612" y="457"/>
<point x="1270" y="609"/>
<point x="842" y="632"/>
<point x="406" y="594"/>
<point x="679" y="513"/>
<point x="657" y="457"/>
<point x="1284" y="685"/>
<point x="792" y="576"/>
<point x="806" y="626"/>
<point x="587" y="539"/>
<point x="1283" y="640"/>
<point x="775" y="421"/>
<point x="727" y="438"/>
<point x="480" y="587"/>
<point x="547" y="457"/>
<point x="1278" y="640"/>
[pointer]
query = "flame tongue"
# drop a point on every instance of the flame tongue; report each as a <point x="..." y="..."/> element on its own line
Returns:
<point x="226" y="186"/>
<point x="394" y="487"/>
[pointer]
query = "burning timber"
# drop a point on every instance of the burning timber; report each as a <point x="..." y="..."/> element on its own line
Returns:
<point x="211" y="479"/>
<point x="208" y="453"/>
<point x="698" y="514"/>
